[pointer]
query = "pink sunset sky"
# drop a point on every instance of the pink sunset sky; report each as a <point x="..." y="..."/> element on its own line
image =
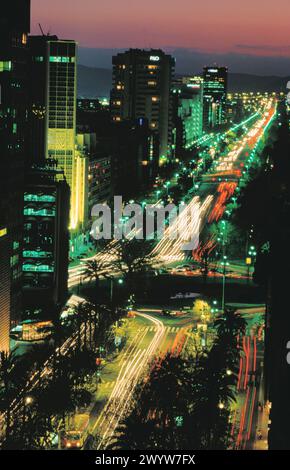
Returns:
<point x="247" y="26"/>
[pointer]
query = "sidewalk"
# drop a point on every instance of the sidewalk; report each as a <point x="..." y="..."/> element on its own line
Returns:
<point x="262" y="425"/>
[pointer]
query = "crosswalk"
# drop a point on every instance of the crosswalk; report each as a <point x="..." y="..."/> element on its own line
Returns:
<point x="153" y="329"/>
<point x="108" y="384"/>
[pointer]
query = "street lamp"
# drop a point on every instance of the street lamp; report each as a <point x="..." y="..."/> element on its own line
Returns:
<point x="167" y="186"/>
<point x="27" y="402"/>
<point x="120" y="282"/>
<point x="225" y="263"/>
<point x="252" y="253"/>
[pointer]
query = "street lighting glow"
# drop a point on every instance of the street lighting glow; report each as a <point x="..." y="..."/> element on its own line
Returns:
<point x="28" y="400"/>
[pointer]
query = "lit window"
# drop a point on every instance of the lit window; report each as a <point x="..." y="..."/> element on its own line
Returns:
<point x="5" y="66"/>
<point x="3" y="232"/>
<point x="59" y="59"/>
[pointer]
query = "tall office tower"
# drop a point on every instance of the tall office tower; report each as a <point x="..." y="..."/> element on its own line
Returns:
<point x="38" y="92"/>
<point x="46" y="241"/>
<point x="131" y="149"/>
<point x="82" y="160"/>
<point x="142" y="89"/>
<point x="14" y="27"/>
<point x="97" y="189"/>
<point x="54" y="69"/>
<point x="215" y="94"/>
<point x="188" y="115"/>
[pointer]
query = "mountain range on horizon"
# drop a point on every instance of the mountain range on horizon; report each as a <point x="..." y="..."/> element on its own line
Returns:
<point x="96" y="82"/>
<point x="192" y="61"/>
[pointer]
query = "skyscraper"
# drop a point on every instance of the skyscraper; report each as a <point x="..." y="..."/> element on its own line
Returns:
<point x="46" y="241"/>
<point x="142" y="89"/>
<point x="188" y="114"/>
<point x="215" y="94"/>
<point x="98" y="175"/>
<point x="14" y="27"/>
<point x="53" y="108"/>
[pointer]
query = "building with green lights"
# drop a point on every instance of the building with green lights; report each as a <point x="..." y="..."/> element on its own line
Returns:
<point x="188" y="112"/>
<point x="214" y="98"/>
<point x="53" y="94"/>
<point x="46" y="241"/>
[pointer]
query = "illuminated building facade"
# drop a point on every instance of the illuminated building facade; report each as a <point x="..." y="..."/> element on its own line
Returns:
<point x="142" y="89"/>
<point x="14" y="27"/>
<point x="99" y="180"/>
<point x="61" y="114"/>
<point x="188" y="106"/>
<point x="45" y="244"/>
<point x="215" y="94"/>
<point x="53" y="105"/>
<point x="98" y="174"/>
<point x="81" y="180"/>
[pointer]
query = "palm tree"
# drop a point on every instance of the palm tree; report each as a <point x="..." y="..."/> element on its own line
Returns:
<point x="215" y="381"/>
<point x="230" y="324"/>
<point x="213" y="392"/>
<point x="132" y="258"/>
<point x="161" y="408"/>
<point x="80" y="364"/>
<point x="95" y="270"/>
<point x="83" y="314"/>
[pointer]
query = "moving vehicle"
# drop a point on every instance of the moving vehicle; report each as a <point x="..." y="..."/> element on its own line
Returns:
<point x="74" y="438"/>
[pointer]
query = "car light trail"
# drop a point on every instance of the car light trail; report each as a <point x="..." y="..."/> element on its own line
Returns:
<point x="134" y="365"/>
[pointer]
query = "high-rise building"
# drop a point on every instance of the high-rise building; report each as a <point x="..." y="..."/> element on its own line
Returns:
<point x="142" y="89"/>
<point x="14" y="28"/>
<point x="46" y="241"/>
<point x="99" y="180"/>
<point x="38" y="92"/>
<point x="215" y="94"/>
<point x="129" y="148"/>
<point x="134" y="157"/>
<point x="53" y="105"/>
<point x="98" y="172"/>
<point x="188" y="115"/>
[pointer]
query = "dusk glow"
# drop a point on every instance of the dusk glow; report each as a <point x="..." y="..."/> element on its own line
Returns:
<point x="259" y="27"/>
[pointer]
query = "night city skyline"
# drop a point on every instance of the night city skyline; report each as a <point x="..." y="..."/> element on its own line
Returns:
<point x="144" y="231"/>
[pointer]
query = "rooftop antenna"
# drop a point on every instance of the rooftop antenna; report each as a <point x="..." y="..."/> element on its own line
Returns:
<point x="40" y="27"/>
